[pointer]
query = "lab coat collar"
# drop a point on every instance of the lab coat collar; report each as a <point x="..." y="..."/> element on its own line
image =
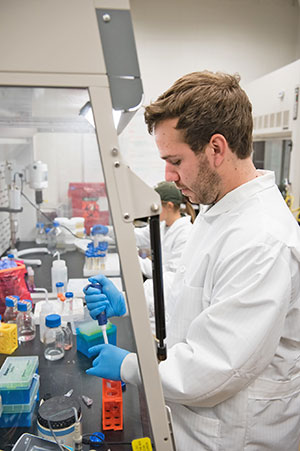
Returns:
<point x="241" y="193"/>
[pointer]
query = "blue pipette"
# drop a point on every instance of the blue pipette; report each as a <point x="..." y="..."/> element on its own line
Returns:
<point x="102" y="318"/>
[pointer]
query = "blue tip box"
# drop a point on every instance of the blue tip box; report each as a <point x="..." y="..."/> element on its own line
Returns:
<point x="18" y="420"/>
<point x="20" y="415"/>
<point x="90" y="334"/>
<point x="16" y="379"/>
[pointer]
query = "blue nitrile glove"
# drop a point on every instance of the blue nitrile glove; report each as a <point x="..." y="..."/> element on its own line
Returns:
<point x="114" y="304"/>
<point x="96" y="302"/>
<point x="108" y="363"/>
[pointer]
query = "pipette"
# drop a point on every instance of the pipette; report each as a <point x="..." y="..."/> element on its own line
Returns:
<point x="102" y="321"/>
<point x="102" y="318"/>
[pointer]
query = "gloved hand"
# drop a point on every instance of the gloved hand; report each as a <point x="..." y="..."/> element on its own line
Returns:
<point x="96" y="303"/>
<point x="100" y="229"/>
<point x="106" y="297"/>
<point x="108" y="363"/>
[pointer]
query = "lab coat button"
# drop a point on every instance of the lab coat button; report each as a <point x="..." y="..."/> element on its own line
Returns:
<point x="182" y="269"/>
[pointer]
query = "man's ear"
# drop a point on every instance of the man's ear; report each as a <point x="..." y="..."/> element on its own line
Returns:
<point x="218" y="149"/>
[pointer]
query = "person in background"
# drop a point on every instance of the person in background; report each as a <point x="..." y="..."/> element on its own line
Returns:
<point x="175" y="228"/>
<point x="232" y="376"/>
<point x="176" y="220"/>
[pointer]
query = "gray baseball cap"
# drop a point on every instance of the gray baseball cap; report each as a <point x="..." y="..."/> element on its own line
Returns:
<point x="169" y="192"/>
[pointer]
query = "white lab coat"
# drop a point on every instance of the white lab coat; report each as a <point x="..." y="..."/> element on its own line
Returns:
<point x="173" y="239"/>
<point x="168" y="278"/>
<point x="232" y="375"/>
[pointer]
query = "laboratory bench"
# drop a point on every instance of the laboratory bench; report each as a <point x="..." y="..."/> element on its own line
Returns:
<point x="42" y="274"/>
<point x="59" y="377"/>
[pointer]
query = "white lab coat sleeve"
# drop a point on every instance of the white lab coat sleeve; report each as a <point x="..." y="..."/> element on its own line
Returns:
<point x="232" y="340"/>
<point x="146" y="266"/>
<point x="168" y="278"/>
<point x="172" y="255"/>
<point x="142" y="237"/>
<point x="130" y="373"/>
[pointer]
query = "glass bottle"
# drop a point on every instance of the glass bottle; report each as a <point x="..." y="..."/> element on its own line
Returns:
<point x="11" y="261"/>
<point x="25" y="321"/>
<point x="11" y="310"/>
<point x="40" y="234"/>
<point x="53" y="338"/>
<point x="47" y="231"/>
<point x="52" y="237"/>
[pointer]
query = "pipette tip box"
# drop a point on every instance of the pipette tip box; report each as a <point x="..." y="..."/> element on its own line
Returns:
<point x="22" y="419"/>
<point x="16" y="379"/>
<point x="19" y="390"/>
<point x="90" y="334"/>
<point x="20" y="415"/>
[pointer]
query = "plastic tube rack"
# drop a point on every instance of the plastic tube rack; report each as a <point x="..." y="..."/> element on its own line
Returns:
<point x="112" y="405"/>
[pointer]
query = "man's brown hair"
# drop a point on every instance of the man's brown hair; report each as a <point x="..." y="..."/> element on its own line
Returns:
<point x="206" y="103"/>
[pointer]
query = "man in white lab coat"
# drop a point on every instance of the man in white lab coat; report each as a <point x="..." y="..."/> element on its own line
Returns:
<point x="232" y="375"/>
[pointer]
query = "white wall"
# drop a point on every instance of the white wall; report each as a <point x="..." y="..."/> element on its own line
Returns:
<point x="174" y="37"/>
<point x="274" y="93"/>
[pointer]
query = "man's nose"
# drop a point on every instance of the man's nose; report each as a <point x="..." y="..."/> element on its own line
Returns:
<point x="171" y="174"/>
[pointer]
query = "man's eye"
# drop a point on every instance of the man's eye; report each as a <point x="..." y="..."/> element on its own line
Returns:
<point x="176" y="162"/>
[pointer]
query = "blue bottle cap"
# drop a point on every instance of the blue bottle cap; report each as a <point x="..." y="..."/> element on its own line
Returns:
<point x="24" y="305"/>
<point x="95" y="230"/>
<point x="11" y="301"/>
<point x="59" y="284"/>
<point x="10" y="255"/>
<point x="69" y="294"/>
<point x="97" y="438"/>
<point x="53" y="320"/>
<point x="47" y="229"/>
<point x="55" y="223"/>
